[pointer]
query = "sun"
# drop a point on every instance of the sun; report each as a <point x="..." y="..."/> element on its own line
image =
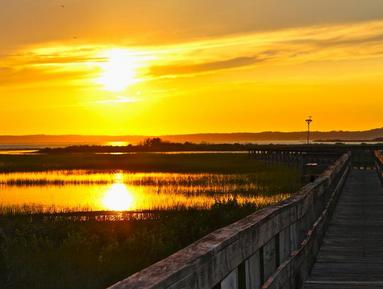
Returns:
<point x="119" y="70"/>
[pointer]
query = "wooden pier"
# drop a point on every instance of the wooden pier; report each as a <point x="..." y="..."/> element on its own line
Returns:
<point x="351" y="256"/>
<point x="327" y="236"/>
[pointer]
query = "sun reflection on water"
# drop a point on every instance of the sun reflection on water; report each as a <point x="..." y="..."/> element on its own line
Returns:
<point x="118" y="198"/>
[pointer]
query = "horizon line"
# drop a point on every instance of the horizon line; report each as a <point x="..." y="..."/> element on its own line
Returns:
<point x="180" y="134"/>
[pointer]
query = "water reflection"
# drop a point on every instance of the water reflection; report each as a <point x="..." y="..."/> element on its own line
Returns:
<point x="17" y="152"/>
<point x="118" y="198"/>
<point x="124" y="191"/>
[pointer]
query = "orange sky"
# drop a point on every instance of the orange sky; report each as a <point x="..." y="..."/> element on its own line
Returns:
<point x="179" y="66"/>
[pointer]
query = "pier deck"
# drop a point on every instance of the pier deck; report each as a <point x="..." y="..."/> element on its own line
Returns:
<point x="351" y="256"/>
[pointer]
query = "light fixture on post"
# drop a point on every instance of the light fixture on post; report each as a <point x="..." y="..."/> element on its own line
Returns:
<point x="309" y="121"/>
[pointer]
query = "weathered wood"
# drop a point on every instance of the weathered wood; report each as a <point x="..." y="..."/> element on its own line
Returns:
<point x="284" y="245"/>
<point x="294" y="271"/>
<point x="269" y="258"/>
<point x="231" y="281"/>
<point x="253" y="272"/>
<point x="212" y="259"/>
<point x="352" y="252"/>
<point x="343" y="285"/>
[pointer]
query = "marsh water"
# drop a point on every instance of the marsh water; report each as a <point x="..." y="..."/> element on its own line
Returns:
<point x="121" y="191"/>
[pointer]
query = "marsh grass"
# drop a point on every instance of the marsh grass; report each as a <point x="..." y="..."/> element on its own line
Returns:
<point x="37" y="209"/>
<point x="60" y="253"/>
<point x="280" y="179"/>
<point x="59" y="189"/>
<point x="34" y="211"/>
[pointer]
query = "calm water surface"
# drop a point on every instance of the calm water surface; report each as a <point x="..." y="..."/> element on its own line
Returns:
<point x="121" y="191"/>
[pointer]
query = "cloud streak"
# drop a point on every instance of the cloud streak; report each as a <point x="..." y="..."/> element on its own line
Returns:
<point x="295" y="46"/>
<point x="349" y="42"/>
<point x="205" y="67"/>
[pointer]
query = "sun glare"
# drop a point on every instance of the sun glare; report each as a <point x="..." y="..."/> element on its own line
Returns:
<point x="118" y="198"/>
<point x="119" y="71"/>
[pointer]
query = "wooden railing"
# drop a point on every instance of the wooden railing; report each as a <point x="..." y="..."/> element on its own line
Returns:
<point x="379" y="163"/>
<point x="295" y="156"/>
<point x="272" y="248"/>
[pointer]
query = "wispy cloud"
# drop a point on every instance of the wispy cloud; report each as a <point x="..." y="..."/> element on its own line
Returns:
<point x="205" y="67"/>
<point x="292" y="46"/>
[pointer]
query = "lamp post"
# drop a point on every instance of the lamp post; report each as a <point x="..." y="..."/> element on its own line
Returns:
<point x="309" y="121"/>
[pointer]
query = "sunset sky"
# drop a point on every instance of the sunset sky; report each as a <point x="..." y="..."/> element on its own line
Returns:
<point x="180" y="66"/>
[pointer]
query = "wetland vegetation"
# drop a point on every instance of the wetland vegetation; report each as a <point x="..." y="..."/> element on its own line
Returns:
<point x="86" y="220"/>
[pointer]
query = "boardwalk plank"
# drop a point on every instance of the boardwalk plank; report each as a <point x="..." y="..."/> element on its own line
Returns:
<point x="351" y="255"/>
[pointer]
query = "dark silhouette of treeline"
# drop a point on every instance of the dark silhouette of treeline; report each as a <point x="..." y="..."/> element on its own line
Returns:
<point x="150" y="145"/>
<point x="159" y="145"/>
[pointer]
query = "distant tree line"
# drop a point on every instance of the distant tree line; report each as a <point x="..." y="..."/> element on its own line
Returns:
<point x="151" y="145"/>
<point x="158" y="145"/>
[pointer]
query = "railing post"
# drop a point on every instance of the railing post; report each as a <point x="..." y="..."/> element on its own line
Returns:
<point x="253" y="271"/>
<point x="293" y="237"/>
<point x="269" y="259"/>
<point x="231" y="281"/>
<point x="284" y="244"/>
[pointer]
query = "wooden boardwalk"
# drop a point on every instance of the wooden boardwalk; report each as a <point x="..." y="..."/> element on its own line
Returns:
<point x="351" y="256"/>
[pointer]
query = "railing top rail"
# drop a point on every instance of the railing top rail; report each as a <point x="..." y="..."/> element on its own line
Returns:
<point x="260" y="226"/>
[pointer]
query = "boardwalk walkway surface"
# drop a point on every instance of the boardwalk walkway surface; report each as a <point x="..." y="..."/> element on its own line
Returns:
<point x="351" y="256"/>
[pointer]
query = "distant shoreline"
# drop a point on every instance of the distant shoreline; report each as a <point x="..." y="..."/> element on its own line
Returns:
<point x="265" y="137"/>
<point x="160" y="146"/>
